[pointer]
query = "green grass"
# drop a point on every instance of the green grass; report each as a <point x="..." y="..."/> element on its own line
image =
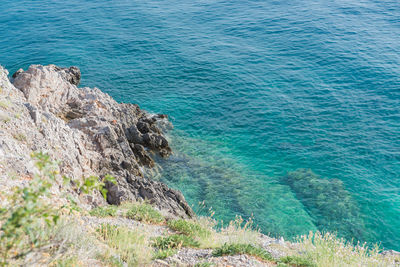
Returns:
<point x="175" y="241"/>
<point x="297" y="261"/>
<point x="145" y="213"/>
<point x="29" y="222"/>
<point x="190" y="228"/>
<point x="104" y="211"/>
<point x="235" y="249"/>
<point x="164" y="253"/>
<point x="71" y="261"/>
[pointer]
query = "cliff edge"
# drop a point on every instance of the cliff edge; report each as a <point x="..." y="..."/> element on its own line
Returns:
<point x="47" y="218"/>
<point x="88" y="132"/>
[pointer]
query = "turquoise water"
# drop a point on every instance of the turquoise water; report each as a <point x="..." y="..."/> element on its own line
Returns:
<point x="255" y="89"/>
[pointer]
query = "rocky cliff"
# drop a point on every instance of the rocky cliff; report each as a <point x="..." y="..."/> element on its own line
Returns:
<point x="88" y="132"/>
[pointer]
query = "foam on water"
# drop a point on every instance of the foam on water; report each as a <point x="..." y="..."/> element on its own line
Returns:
<point x="255" y="89"/>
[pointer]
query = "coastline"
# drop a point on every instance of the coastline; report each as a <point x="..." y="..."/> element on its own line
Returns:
<point x="90" y="134"/>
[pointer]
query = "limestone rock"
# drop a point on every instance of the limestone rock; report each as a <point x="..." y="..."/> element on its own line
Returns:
<point x="88" y="132"/>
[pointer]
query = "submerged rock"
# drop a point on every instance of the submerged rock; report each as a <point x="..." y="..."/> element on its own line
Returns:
<point x="328" y="202"/>
<point x="89" y="133"/>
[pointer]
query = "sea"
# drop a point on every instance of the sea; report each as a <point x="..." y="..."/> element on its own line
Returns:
<point x="285" y="112"/>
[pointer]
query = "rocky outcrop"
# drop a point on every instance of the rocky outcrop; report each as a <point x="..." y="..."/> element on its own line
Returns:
<point x="88" y="132"/>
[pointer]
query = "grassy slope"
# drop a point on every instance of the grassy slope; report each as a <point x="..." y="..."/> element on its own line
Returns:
<point x="35" y="231"/>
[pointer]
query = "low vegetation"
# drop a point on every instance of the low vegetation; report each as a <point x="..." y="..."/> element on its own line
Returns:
<point x="24" y="220"/>
<point x="93" y="183"/>
<point x="133" y="247"/>
<point x="145" y="213"/>
<point x="329" y="250"/>
<point x="204" y="264"/>
<point x="19" y="137"/>
<point x="175" y="241"/>
<point x="212" y="235"/>
<point x="234" y="249"/>
<point x="4" y="104"/>
<point x="104" y="211"/>
<point x="4" y="118"/>
<point x="189" y="228"/>
<point x="296" y="261"/>
<point x="68" y="240"/>
<point x="30" y="221"/>
<point x="36" y="230"/>
<point x="164" y="253"/>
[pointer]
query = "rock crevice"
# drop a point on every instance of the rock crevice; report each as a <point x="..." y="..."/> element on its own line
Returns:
<point x="90" y="134"/>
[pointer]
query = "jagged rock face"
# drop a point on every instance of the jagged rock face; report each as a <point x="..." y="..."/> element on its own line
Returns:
<point x="91" y="134"/>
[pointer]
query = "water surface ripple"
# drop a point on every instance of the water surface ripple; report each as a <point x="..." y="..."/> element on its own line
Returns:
<point x="255" y="89"/>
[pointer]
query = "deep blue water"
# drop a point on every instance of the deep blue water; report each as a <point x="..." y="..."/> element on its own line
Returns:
<point x="255" y="89"/>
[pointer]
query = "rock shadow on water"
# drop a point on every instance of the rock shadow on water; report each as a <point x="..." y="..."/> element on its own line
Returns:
<point x="329" y="204"/>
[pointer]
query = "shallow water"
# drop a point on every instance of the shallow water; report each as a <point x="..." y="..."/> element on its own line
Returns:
<point x="255" y="89"/>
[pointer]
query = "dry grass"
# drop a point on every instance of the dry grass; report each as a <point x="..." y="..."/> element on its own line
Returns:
<point x="4" y="117"/>
<point x="19" y="137"/>
<point x="237" y="231"/>
<point x="206" y="231"/>
<point x="75" y="240"/>
<point x="4" y="104"/>
<point x="328" y="250"/>
<point x="132" y="246"/>
<point x="69" y="244"/>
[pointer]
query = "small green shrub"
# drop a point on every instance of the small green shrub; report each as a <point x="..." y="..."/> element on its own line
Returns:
<point x="23" y="222"/>
<point x="28" y="217"/>
<point x="175" y="241"/>
<point x="104" y="211"/>
<point x="298" y="261"/>
<point x="235" y="249"/>
<point x="190" y="228"/>
<point x="94" y="183"/>
<point x="144" y="212"/>
<point x="164" y="253"/>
